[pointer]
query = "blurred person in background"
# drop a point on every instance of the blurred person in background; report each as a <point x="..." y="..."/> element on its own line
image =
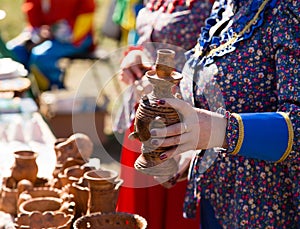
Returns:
<point x="55" y="29"/>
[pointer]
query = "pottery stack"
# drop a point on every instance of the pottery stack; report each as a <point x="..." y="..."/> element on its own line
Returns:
<point x="71" y="193"/>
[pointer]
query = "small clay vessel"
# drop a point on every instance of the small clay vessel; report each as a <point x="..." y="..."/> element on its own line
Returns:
<point x="112" y="220"/>
<point x="151" y="115"/>
<point x="25" y="166"/>
<point x="77" y="146"/>
<point x="102" y="194"/>
<point x="80" y="191"/>
<point x="8" y="200"/>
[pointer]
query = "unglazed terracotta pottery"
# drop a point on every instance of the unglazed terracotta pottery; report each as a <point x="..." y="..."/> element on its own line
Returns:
<point x="103" y="190"/>
<point x="80" y="191"/>
<point x="150" y="115"/>
<point x="113" y="220"/>
<point x="8" y="200"/>
<point x="45" y="220"/>
<point x="37" y="192"/>
<point x="77" y="146"/>
<point x="10" y="192"/>
<point x="24" y="185"/>
<point x="43" y="204"/>
<point x="25" y="166"/>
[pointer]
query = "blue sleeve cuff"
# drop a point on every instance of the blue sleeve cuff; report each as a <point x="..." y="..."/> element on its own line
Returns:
<point x="265" y="136"/>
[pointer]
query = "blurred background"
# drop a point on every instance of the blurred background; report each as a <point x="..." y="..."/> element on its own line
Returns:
<point x="14" y="21"/>
<point x="13" y="24"/>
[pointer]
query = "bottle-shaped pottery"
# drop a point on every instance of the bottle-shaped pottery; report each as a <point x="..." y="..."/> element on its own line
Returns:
<point x="150" y="115"/>
<point x="25" y="166"/>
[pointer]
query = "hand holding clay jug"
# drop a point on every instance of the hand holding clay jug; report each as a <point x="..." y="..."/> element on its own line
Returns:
<point x="150" y="115"/>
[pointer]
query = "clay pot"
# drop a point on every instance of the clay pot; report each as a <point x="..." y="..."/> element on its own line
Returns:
<point x="8" y="200"/>
<point x="103" y="190"/>
<point x="151" y="115"/>
<point x="59" y="168"/>
<point x="25" y="166"/>
<point x="43" y="204"/>
<point x="10" y="192"/>
<point x="74" y="173"/>
<point x="77" y="146"/>
<point x="80" y="191"/>
<point x="113" y="220"/>
<point x="38" y="220"/>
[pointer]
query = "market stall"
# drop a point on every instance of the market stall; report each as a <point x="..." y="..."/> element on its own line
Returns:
<point x="50" y="182"/>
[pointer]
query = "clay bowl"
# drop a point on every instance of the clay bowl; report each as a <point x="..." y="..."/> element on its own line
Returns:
<point x="74" y="173"/>
<point x="113" y="220"/>
<point x="44" y="192"/>
<point x="43" y="204"/>
<point x="40" y="204"/>
<point x="58" y="220"/>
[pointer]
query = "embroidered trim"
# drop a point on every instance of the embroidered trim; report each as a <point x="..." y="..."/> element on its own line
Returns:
<point x="240" y="34"/>
<point x="290" y="138"/>
<point x="241" y="134"/>
<point x="226" y="43"/>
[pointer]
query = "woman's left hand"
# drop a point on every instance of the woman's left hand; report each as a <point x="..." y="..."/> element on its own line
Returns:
<point x="198" y="129"/>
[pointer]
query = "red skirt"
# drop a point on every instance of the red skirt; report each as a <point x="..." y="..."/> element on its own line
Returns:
<point x="142" y="195"/>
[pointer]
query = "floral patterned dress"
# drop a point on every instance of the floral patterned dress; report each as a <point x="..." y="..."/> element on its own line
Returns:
<point x="247" y="61"/>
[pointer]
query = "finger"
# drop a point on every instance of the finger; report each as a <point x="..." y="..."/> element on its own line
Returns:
<point x="177" y="104"/>
<point x="173" y="130"/>
<point x="176" y="151"/>
<point x="171" y="141"/>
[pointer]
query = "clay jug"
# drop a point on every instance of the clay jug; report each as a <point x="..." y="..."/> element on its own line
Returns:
<point x="150" y="115"/>
<point x="101" y="183"/>
<point x="25" y="166"/>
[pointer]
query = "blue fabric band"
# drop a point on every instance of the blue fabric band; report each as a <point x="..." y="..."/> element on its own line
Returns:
<point x="266" y="136"/>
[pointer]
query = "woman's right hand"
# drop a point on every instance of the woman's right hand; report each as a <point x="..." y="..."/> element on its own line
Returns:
<point x="134" y="66"/>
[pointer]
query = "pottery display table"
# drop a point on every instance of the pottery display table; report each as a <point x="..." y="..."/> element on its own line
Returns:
<point x="26" y="131"/>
